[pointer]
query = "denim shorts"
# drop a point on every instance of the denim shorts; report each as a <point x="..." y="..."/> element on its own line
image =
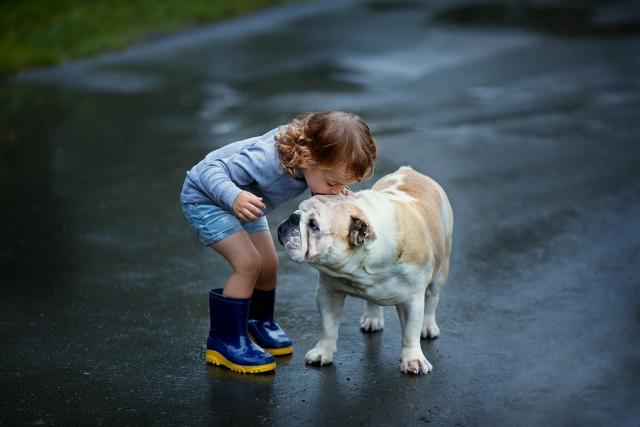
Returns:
<point x="213" y="223"/>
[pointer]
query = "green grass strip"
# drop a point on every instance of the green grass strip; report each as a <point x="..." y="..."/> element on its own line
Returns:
<point x="45" y="32"/>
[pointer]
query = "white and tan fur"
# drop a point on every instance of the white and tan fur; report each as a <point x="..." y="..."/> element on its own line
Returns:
<point x="390" y="245"/>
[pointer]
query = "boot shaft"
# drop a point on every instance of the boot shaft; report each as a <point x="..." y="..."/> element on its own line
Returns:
<point x="262" y="305"/>
<point x="228" y="315"/>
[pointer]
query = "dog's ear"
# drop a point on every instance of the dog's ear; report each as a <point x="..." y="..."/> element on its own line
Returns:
<point x="360" y="231"/>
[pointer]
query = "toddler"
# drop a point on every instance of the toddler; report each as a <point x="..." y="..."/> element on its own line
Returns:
<point x="226" y="196"/>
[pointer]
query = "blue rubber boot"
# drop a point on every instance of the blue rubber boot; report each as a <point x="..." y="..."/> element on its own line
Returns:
<point x="263" y="329"/>
<point x="228" y="343"/>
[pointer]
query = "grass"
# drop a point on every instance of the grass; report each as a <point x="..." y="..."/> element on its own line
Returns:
<point x="37" y="33"/>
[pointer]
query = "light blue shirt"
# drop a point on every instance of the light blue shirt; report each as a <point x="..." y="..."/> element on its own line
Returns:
<point x="252" y="165"/>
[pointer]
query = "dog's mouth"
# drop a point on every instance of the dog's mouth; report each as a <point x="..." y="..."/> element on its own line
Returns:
<point x="298" y="256"/>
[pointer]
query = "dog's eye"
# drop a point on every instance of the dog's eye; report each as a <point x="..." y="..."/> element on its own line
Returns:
<point x="313" y="225"/>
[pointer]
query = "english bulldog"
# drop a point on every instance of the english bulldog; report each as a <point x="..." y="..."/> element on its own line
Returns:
<point x="389" y="245"/>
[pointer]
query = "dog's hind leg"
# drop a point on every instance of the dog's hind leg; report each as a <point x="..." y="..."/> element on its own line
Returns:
<point x="372" y="319"/>
<point x="430" y="328"/>
<point x="413" y="360"/>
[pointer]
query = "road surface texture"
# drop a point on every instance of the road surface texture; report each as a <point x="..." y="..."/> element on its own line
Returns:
<point x="528" y="116"/>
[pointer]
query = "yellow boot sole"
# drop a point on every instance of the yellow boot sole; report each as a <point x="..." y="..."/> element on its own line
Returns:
<point x="216" y="358"/>
<point x="284" y="351"/>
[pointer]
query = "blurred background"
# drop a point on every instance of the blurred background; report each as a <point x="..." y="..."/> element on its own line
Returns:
<point x="527" y="113"/>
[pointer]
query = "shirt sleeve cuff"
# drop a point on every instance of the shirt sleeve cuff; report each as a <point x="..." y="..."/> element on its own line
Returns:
<point x="230" y="196"/>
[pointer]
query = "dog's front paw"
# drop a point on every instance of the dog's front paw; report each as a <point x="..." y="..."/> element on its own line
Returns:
<point x="371" y="323"/>
<point x="414" y="362"/>
<point x="430" y="330"/>
<point x="321" y="354"/>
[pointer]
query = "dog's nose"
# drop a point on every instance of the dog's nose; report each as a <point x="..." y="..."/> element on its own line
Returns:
<point x="294" y="219"/>
<point x="281" y="232"/>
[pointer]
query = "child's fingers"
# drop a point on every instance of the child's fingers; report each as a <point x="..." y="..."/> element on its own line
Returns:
<point x="248" y="215"/>
<point x="253" y="207"/>
<point x="253" y="210"/>
<point x="257" y="201"/>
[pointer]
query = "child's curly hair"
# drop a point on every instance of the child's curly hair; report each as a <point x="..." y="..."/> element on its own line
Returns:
<point x="326" y="139"/>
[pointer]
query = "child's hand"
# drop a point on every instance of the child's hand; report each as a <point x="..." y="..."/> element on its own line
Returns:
<point x="248" y="206"/>
<point x="345" y="191"/>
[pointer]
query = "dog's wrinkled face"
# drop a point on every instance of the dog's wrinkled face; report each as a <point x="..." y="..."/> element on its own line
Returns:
<point x="325" y="230"/>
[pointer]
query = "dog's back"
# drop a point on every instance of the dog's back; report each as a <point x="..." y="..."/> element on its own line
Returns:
<point x="424" y="217"/>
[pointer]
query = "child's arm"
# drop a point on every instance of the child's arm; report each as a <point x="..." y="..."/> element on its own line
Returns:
<point x="221" y="178"/>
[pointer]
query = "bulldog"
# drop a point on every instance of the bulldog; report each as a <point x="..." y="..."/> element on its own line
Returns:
<point x="389" y="245"/>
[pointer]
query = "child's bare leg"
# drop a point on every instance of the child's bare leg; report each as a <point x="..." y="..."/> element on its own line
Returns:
<point x="269" y="260"/>
<point x="229" y="343"/>
<point x="245" y="260"/>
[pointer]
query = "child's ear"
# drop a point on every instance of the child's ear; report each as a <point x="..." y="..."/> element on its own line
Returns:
<point x="360" y="231"/>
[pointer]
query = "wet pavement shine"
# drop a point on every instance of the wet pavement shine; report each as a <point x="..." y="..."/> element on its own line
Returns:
<point x="532" y="130"/>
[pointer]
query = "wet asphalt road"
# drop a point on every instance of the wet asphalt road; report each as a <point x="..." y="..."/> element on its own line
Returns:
<point x="534" y="135"/>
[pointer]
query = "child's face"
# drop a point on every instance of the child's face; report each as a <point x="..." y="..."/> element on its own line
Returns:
<point x="322" y="181"/>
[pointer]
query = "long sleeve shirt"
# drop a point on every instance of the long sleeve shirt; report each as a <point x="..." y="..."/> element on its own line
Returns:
<point x="252" y="165"/>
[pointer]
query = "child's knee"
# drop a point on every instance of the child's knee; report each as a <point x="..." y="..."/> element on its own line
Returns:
<point x="249" y="265"/>
<point x="269" y="265"/>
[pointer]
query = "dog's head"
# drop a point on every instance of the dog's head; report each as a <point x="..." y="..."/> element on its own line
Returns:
<point x="326" y="231"/>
